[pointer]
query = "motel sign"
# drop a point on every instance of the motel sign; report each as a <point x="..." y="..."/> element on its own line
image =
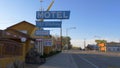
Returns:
<point x="52" y="14"/>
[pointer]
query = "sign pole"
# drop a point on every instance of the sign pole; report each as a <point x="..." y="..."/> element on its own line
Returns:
<point x="40" y="23"/>
<point x="42" y="45"/>
<point x="61" y="35"/>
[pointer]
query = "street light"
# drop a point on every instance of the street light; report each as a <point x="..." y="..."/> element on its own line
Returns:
<point x="67" y="35"/>
<point x="69" y="29"/>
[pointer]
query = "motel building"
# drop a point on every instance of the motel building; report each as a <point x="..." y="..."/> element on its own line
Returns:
<point x="17" y="41"/>
<point x="30" y="29"/>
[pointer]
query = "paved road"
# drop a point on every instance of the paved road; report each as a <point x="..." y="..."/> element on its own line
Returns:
<point x="91" y="60"/>
<point x="62" y="60"/>
<point x="81" y="59"/>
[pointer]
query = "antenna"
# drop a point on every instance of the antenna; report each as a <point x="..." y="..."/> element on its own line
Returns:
<point x="41" y="1"/>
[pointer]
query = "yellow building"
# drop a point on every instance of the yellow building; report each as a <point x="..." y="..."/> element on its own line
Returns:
<point x="12" y="50"/>
<point x="27" y="29"/>
<point x="30" y="29"/>
<point x="16" y="33"/>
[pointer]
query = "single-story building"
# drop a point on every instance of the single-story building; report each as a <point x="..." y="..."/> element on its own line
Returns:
<point x="113" y="47"/>
<point x="92" y="47"/>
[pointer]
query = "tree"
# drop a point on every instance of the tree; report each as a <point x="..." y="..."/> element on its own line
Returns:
<point x="100" y="41"/>
<point x="65" y="40"/>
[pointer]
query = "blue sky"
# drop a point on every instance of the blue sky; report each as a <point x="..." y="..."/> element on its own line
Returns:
<point x="90" y="17"/>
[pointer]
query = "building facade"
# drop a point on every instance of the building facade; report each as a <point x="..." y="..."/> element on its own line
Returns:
<point x="113" y="47"/>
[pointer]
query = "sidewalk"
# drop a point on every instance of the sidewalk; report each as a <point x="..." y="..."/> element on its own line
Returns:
<point x="62" y="60"/>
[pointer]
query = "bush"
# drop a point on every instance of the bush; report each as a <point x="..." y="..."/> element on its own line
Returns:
<point x="50" y="54"/>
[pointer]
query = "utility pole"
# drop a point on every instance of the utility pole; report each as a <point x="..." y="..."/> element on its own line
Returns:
<point x="84" y="43"/>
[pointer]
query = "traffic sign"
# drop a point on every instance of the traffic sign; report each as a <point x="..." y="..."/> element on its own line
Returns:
<point x="49" y="24"/>
<point x="52" y="14"/>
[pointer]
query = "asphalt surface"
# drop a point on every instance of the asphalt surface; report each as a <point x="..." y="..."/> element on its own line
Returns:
<point x="61" y="60"/>
<point x="90" y="60"/>
<point x="81" y="59"/>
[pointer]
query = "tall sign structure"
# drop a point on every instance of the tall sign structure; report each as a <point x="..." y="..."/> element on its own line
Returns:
<point x="41" y="15"/>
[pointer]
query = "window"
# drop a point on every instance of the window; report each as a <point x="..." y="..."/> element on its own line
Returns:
<point x="24" y="31"/>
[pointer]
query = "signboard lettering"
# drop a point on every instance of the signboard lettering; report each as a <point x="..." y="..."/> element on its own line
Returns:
<point x="42" y="32"/>
<point x="49" y="24"/>
<point x="47" y="42"/>
<point x="52" y="14"/>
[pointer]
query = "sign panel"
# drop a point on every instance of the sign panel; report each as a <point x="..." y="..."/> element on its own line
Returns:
<point x="101" y="44"/>
<point x="47" y="42"/>
<point x="49" y="24"/>
<point x="52" y="14"/>
<point x="40" y="40"/>
<point x="42" y="32"/>
<point x="58" y="42"/>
